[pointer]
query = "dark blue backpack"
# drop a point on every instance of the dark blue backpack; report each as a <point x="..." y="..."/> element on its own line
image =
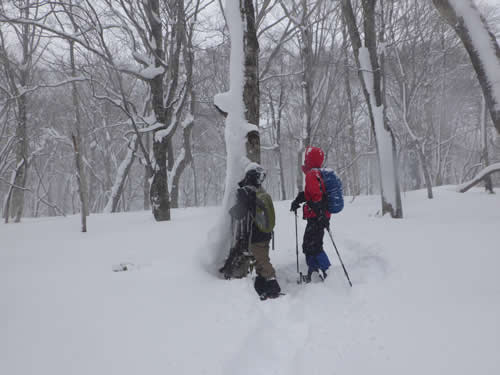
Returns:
<point x="333" y="187"/>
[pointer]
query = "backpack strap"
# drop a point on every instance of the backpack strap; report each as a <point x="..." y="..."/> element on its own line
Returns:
<point x="318" y="207"/>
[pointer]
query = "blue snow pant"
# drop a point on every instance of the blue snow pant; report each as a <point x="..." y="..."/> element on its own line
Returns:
<point x="312" y="246"/>
<point x="317" y="262"/>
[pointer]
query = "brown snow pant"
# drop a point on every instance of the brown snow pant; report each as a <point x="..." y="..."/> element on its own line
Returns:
<point x="263" y="266"/>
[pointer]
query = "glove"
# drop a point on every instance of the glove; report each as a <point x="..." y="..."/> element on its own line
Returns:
<point x="297" y="201"/>
<point x="295" y="206"/>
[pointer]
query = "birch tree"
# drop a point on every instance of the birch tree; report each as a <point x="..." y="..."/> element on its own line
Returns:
<point x="368" y="62"/>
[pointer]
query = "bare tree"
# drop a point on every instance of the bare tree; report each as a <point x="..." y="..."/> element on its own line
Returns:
<point x="19" y="75"/>
<point x="370" y="76"/>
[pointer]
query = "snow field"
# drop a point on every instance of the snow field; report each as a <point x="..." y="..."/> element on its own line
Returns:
<point x="426" y="295"/>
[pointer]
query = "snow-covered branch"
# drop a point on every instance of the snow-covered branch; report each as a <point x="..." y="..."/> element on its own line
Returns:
<point x="462" y="188"/>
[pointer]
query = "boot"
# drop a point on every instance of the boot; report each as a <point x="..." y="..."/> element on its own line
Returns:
<point x="273" y="289"/>
<point x="260" y="285"/>
<point x="307" y="278"/>
<point x="322" y="275"/>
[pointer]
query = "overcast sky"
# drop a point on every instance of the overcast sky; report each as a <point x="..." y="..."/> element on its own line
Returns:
<point x="493" y="2"/>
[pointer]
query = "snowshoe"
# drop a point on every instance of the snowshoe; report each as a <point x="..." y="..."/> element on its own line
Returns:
<point x="260" y="285"/>
<point x="322" y="275"/>
<point x="238" y="264"/>
<point x="265" y="296"/>
<point x="267" y="288"/>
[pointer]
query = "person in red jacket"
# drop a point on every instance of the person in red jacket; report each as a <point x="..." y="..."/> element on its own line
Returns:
<point x="315" y="211"/>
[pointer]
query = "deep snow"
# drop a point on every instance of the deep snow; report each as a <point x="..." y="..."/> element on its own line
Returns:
<point x="425" y="300"/>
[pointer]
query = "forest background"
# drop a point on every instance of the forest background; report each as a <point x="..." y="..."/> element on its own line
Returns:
<point x="102" y="102"/>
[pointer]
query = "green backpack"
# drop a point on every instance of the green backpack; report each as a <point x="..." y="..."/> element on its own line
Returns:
<point x="265" y="218"/>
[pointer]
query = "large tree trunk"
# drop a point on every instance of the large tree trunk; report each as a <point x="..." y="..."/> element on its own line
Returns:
<point x="159" y="194"/>
<point x="166" y="106"/>
<point x="185" y="158"/>
<point x="369" y="71"/>
<point x="251" y="90"/>
<point x="241" y="129"/>
<point x="481" y="46"/>
<point x="244" y="57"/>
<point x="354" y="180"/>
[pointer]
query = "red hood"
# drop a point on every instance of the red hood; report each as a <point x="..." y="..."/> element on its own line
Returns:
<point x="314" y="158"/>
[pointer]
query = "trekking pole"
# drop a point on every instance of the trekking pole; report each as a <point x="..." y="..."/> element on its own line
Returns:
<point x="299" y="281"/>
<point x="335" y="246"/>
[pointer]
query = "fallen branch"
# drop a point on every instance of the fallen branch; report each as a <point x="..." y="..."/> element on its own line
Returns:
<point x="480" y="176"/>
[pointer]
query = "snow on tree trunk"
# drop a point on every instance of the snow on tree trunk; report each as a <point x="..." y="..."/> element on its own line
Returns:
<point x="481" y="45"/>
<point x="238" y="132"/>
<point x="370" y="78"/>
<point x="231" y="102"/>
<point x="158" y="194"/>
<point x="121" y="177"/>
<point x="183" y="159"/>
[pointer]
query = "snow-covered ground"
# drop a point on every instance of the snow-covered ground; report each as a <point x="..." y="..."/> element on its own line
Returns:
<point x="425" y="300"/>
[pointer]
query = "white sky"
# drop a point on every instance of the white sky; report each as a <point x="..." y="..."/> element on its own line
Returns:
<point x="492" y="2"/>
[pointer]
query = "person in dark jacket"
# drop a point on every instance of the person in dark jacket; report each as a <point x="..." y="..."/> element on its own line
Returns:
<point x="266" y="284"/>
<point x="315" y="211"/>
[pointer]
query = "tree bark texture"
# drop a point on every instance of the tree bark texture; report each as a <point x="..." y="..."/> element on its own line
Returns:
<point x="251" y="90"/>
<point x="159" y="195"/>
<point x="187" y="156"/>
<point x="370" y="42"/>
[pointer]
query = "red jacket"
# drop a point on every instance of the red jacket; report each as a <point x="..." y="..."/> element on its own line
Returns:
<point x="315" y="187"/>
